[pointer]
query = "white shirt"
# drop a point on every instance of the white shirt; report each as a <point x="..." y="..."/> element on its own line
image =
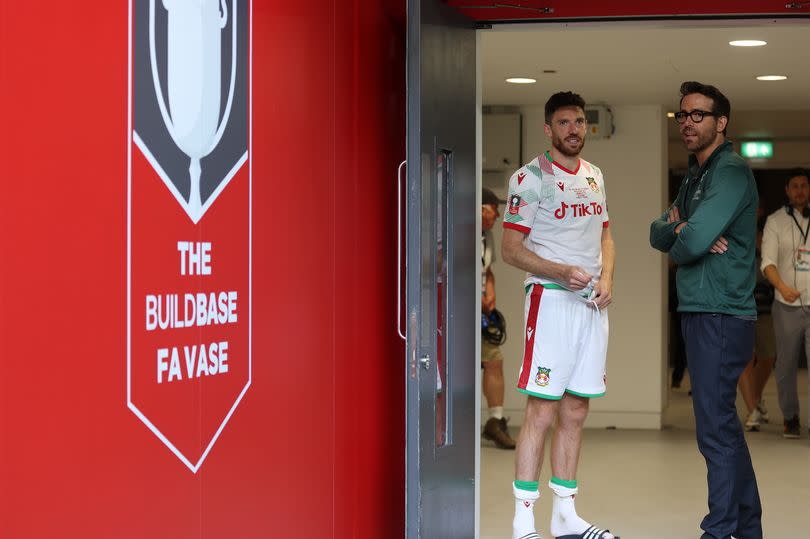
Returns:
<point x="487" y="256"/>
<point x="781" y="241"/>
<point x="562" y="211"/>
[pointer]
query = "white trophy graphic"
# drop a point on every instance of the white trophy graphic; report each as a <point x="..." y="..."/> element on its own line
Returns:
<point x="194" y="63"/>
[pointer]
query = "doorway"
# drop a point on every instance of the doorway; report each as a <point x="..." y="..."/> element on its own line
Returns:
<point x="593" y="59"/>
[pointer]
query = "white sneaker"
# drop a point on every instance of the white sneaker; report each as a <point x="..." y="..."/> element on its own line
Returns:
<point x="763" y="412"/>
<point x="752" y="422"/>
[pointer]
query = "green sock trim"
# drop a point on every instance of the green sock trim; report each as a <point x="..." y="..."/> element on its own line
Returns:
<point x="564" y="483"/>
<point x="530" y="486"/>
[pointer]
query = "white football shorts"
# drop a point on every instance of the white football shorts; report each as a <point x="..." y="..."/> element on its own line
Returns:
<point x="565" y="345"/>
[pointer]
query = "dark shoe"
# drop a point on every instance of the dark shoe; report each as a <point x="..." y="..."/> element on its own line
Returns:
<point x="495" y="430"/>
<point x="792" y="428"/>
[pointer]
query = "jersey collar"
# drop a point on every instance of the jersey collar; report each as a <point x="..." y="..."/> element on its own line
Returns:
<point x="558" y="165"/>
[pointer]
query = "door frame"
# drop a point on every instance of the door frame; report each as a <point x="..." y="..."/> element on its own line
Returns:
<point x="739" y="18"/>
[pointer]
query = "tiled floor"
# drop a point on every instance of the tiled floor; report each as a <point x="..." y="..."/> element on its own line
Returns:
<point x="652" y="484"/>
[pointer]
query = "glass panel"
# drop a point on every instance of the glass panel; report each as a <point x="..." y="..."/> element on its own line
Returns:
<point x="443" y="371"/>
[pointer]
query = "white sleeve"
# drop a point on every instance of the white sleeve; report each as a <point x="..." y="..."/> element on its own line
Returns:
<point x="523" y="201"/>
<point x="770" y="245"/>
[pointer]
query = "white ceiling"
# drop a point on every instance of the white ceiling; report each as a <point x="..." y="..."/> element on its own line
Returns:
<point x="622" y="63"/>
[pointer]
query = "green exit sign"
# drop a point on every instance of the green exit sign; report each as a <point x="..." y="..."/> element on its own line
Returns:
<point x="757" y="150"/>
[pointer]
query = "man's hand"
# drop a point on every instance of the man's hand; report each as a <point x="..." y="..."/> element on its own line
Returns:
<point x="720" y="247"/>
<point x="576" y="278"/>
<point x="603" y="293"/>
<point x="674" y="215"/>
<point x="790" y="294"/>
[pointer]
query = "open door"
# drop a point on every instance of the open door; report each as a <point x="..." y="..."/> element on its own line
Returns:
<point x="441" y="273"/>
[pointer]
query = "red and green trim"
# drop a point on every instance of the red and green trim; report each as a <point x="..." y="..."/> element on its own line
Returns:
<point x="531" y="322"/>
<point x="559" y="166"/>
<point x="516" y="226"/>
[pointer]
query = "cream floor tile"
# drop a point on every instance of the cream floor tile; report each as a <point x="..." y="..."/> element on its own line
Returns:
<point x="652" y="484"/>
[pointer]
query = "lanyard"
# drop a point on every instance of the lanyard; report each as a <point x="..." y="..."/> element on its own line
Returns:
<point x="802" y="232"/>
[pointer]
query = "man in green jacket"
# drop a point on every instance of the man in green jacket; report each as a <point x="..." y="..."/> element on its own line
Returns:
<point x="710" y="233"/>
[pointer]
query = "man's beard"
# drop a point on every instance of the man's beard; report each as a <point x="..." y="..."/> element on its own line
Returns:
<point x="703" y="141"/>
<point x="559" y="144"/>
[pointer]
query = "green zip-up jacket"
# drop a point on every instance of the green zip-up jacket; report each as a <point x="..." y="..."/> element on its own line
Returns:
<point x="718" y="199"/>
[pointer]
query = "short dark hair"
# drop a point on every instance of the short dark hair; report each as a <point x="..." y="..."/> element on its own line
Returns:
<point x="794" y="173"/>
<point x="562" y="100"/>
<point x="720" y="103"/>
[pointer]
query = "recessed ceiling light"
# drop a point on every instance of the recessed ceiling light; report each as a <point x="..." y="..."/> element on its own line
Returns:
<point x="747" y="43"/>
<point x="521" y="80"/>
<point x="771" y="77"/>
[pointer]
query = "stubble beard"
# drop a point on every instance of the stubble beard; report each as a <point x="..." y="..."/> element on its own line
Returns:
<point x="703" y="141"/>
<point x="559" y="145"/>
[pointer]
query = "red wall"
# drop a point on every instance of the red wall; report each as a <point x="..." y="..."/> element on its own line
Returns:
<point x="316" y="447"/>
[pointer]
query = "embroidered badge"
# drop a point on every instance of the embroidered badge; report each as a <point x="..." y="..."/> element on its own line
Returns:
<point x="543" y="376"/>
<point x="515" y="203"/>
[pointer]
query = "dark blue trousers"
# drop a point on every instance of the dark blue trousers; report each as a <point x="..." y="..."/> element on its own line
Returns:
<point x="717" y="348"/>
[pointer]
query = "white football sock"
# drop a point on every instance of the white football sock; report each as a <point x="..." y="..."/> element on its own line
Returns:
<point x="523" y="523"/>
<point x="496" y="412"/>
<point x="564" y="518"/>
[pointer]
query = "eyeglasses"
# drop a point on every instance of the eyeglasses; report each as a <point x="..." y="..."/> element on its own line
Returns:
<point x="696" y="115"/>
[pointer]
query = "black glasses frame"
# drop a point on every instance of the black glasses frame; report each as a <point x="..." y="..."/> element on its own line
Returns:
<point x="697" y="115"/>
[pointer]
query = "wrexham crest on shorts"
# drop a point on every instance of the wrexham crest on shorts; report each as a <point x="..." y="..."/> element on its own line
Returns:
<point x="543" y="376"/>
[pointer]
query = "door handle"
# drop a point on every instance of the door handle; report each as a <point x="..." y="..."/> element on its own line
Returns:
<point x="425" y="361"/>
<point x="399" y="251"/>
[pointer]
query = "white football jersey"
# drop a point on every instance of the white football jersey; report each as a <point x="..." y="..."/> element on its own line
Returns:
<point x="562" y="212"/>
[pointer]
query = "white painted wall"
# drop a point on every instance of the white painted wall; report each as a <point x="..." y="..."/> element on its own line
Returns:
<point x="634" y="163"/>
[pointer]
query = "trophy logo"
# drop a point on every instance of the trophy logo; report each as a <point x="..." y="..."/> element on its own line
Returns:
<point x="189" y="219"/>
<point x="194" y="64"/>
<point x="189" y="95"/>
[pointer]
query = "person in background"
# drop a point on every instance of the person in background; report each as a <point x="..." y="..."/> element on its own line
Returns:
<point x="756" y="373"/>
<point x="786" y="264"/>
<point x="495" y="429"/>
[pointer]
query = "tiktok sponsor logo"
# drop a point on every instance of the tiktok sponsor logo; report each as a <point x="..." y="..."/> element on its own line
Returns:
<point x="578" y="210"/>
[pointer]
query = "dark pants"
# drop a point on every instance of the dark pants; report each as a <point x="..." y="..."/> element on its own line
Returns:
<point x="718" y="347"/>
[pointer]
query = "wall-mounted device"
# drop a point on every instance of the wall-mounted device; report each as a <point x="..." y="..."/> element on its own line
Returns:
<point x="600" y="121"/>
